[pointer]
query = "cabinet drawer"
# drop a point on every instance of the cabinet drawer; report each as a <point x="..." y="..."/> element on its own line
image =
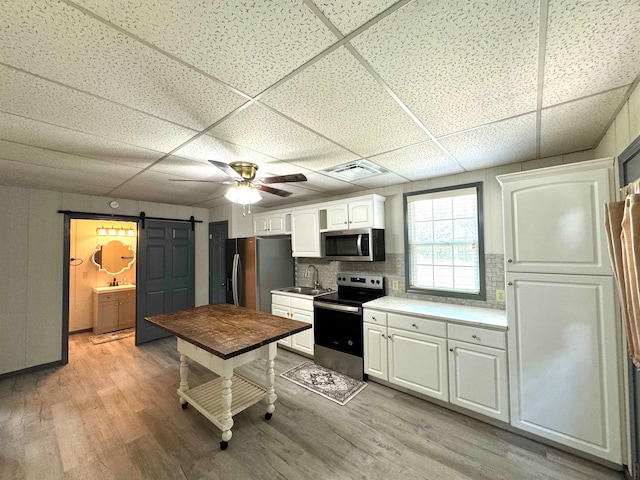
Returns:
<point x="374" y="316"/>
<point x="416" y="324"/>
<point x="301" y="304"/>
<point x="477" y="335"/>
<point x="280" y="300"/>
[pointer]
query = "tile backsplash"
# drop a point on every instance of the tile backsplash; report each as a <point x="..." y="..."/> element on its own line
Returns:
<point x="393" y="269"/>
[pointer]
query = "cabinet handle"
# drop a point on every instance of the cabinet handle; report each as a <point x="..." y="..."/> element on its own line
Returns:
<point x="414" y="325"/>
<point x="374" y="319"/>
<point x="510" y="283"/>
<point x="451" y="349"/>
<point x="510" y="261"/>
<point x="383" y="336"/>
<point x="474" y="336"/>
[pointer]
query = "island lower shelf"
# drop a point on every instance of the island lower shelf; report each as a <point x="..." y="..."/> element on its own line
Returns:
<point x="206" y="398"/>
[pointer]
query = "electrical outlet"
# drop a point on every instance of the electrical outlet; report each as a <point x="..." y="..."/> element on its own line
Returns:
<point x="500" y="296"/>
<point x="394" y="285"/>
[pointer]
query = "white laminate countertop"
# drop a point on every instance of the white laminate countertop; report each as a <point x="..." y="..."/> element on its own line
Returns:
<point x="299" y="295"/>
<point x="486" y="317"/>
<point x="118" y="288"/>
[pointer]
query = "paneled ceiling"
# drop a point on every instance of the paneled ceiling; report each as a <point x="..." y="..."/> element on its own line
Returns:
<point x="117" y="97"/>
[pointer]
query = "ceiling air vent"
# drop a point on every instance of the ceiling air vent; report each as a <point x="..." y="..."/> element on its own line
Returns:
<point x="353" y="171"/>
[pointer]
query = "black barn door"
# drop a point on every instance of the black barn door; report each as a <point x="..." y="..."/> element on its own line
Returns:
<point x="166" y="274"/>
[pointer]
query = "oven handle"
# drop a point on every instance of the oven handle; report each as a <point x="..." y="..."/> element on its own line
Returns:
<point x="339" y="308"/>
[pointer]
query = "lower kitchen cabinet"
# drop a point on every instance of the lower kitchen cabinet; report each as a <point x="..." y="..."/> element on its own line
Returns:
<point x="300" y="309"/>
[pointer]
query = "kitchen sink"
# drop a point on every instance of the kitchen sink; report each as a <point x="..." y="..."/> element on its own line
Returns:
<point x="305" y="290"/>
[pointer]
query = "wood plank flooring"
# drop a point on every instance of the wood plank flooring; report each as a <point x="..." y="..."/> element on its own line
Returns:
<point x="113" y="413"/>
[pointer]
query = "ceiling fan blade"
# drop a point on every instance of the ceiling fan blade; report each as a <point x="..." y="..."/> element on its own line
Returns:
<point x="275" y="191"/>
<point x="226" y="169"/>
<point x="295" y="177"/>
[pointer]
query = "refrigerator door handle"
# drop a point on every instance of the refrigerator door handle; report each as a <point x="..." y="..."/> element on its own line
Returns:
<point x="234" y="279"/>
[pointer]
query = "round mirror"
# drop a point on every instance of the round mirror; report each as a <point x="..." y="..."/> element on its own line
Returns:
<point x="114" y="257"/>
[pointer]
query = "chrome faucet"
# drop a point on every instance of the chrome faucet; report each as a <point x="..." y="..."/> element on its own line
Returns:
<point x="316" y="284"/>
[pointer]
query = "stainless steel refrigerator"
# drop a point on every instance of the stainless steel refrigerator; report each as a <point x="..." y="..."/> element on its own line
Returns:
<point x="255" y="266"/>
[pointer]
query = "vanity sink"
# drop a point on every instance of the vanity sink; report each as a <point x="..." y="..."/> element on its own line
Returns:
<point x="305" y="290"/>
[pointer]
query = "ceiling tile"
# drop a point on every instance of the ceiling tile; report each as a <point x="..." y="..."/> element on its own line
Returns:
<point x="249" y="45"/>
<point x="260" y="128"/>
<point x="338" y="98"/>
<point x="181" y="168"/>
<point x="588" y="118"/>
<point x="382" y="180"/>
<point x="458" y="64"/>
<point x="61" y="43"/>
<point x="592" y="46"/>
<point x="416" y="162"/>
<point x="324" y="183"/>
<point x="510" y="141"/>
<point x="26" y="175"/>
<point x="206" y="147"/>
<point x="29" y="96"/>
<point x="347" y="15"/>
<point x="106" y="173"/>
<point x="26" y="131"/>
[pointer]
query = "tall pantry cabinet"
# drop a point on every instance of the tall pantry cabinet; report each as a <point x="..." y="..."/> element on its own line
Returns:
<point x="563" y="321"/>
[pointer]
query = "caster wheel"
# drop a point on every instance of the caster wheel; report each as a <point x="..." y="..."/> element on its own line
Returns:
<point x="268" y="416"/>
<point x="184" y="405"/>
<point x="224" y="445"/>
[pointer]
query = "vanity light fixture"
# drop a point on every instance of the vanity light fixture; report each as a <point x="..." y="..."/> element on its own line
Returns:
<point x="101" y="231"/>
<point x="122" y="232"/>
<point x="113" y="232"/>
<point x="131" y="232"/>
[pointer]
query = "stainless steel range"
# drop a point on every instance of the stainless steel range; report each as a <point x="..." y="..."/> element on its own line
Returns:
<point x="338" y="323"/>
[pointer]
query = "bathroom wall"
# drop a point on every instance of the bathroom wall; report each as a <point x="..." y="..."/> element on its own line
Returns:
<point x="83" y="277"/>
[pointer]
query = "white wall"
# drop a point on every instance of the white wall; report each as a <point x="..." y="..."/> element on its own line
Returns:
<point x="31" y="243"/>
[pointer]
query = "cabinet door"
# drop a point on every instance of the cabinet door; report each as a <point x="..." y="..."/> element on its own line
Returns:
<point x="338" y="217"/>
<point x="563" y="365"/>
<point x="277" y="224"/>
<point x="260" y="224"/>
<point x="419" y="362"/>
<point x="478" y="379"/>
<point x="285" y="312"/>
<point x="305" y="233"/>
<point x="127" y="310"/>
<point x="375" y="350"/>
<point x="303" y="341"/>
<point x="107" y="320"/>
<point x="361" y="214"/>
<point x="556" y="224"/>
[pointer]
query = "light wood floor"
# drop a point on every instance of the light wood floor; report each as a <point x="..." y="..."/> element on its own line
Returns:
<point x="112" y="412"/>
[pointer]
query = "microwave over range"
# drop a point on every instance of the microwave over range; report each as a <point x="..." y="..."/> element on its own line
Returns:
<point x="361" y="245"/>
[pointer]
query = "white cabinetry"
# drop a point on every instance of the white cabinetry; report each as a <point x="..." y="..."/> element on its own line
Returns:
<point x="356" y="213"/>
<point x="300" y="309"/>
<point x="272" y="224"/>
<point x="562" y="317"/>
<point x="305" y="233"/>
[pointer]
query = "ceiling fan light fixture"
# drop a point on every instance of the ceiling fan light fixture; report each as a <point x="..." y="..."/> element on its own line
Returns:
<point x="243" y="195"/>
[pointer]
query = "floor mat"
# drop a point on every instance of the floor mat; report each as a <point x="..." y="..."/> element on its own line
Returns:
<point x="111" y="336"/>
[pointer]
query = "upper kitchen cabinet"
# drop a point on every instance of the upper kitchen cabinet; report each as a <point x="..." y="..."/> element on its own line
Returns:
<point x="305" y="233"/>
<point x="553" y="218"/>
<point x="359" y="212"/>
<point x="272" y="224"/>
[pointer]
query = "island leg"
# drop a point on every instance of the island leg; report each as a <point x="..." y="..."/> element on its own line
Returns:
<point x="184" y="379"/>
<point x="271" y="396"/>
<point x="227" y="420"/>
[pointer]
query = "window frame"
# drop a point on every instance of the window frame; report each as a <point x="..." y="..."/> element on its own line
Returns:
<point x="482" y="293"/>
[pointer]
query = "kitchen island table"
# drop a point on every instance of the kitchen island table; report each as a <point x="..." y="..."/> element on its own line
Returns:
<point x="221" y="337"/>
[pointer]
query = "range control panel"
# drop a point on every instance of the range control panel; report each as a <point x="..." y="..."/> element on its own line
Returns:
<point x="375" y="282"/>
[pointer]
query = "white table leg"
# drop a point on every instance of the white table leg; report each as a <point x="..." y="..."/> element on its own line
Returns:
<point x="184" y="378"/>
<point x="227" y="420"/>
<point x="271" y="396"/>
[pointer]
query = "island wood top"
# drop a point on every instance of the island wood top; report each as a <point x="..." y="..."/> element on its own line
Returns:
<point x="226" y="330"/>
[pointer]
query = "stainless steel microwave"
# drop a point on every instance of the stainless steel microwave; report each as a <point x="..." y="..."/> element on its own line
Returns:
<point x="361" y="245"/>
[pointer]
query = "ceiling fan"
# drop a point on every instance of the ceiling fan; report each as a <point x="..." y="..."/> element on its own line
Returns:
<point x="244" y="176"/>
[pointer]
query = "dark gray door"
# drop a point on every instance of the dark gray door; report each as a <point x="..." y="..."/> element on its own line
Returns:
<point x="217" y="276"/>
<point x="166" y="274"/>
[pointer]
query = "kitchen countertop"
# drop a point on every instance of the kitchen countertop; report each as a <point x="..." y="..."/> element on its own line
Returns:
<point x="300" y="295"/>
<point x="117" y="288"/>
<point x="485" y="317"/>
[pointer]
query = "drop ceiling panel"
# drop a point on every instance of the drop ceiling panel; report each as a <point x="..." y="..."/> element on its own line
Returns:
<point x="105" y="173"/>
<point x="338" y="98"/>
<point x="417" y="162"/>
<point x="248" y="45"/>
<point x="47" y="178"/>
<point x="61" y="43"/>
<point x="592" y="46"/>
<point x="347" y="15"/>
<point x="382" y="180"/>
<point x="264" y="130"/>
<point x="503" y="142"/>
<point x="29" y="96"/>
<point x="323" y="183"/>
<point x="181" y="168"/>
<point x="458" y="64"/>
<point x="26" y="131"/>
<point x="588" y="118"/>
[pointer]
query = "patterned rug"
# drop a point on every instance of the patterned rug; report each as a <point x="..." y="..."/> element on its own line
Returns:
<point x="110" y="337"/>
<point x="327" y="383"/>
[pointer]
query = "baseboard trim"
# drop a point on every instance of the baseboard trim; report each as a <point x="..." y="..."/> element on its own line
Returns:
<point x="35" y="368"/>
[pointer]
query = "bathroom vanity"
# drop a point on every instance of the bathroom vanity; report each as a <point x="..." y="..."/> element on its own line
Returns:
<point x="114" y="308"/>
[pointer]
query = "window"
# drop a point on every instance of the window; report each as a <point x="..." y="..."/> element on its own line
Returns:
<point x="444" y="242"/>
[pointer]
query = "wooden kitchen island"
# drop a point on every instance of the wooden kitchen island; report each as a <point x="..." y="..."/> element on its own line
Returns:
<point x="221" y="337"/>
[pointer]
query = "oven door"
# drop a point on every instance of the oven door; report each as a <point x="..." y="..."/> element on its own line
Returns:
<point x="338" y="327"/>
